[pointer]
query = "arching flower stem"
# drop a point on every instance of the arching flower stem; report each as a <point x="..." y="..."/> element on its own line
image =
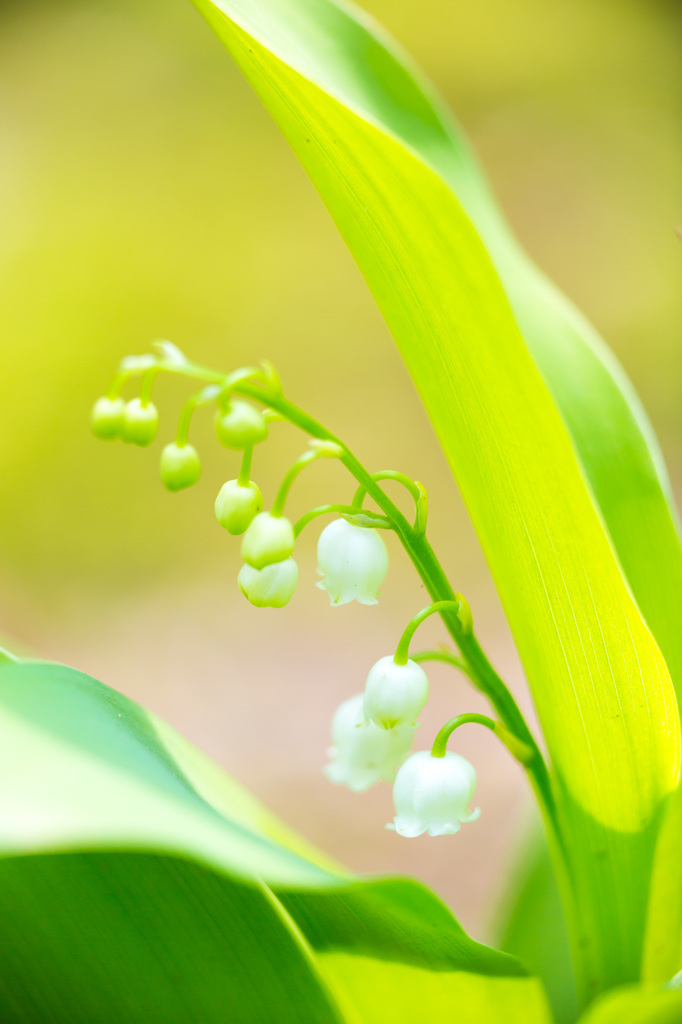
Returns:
<point x="203" y="397"/>
<point x="421" y="554"/>
<point x="402" y="651"/>
<point x="358" y="516"/>
<point x="519" y="750"/>
<point x="298" y="466"/>
<point x="416" y="490"/>
<point x="448" y="658"/>
<point x="325" y="450"/>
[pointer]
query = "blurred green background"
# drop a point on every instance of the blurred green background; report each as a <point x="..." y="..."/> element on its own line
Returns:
<point x="144" y="192"/>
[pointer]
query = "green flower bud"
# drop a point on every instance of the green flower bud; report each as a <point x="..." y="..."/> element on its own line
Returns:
<point x="140" y="423"/>
<point x="180" y="466"/>
<point x="236" y="505"/>
<point x="268" y="539"/>
<point x="107" y="418"/>
<point x="271" y="587"/>
<point x="241" y="426"/>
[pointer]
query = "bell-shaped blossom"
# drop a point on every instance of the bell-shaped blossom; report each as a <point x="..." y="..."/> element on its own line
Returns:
<point x="140" y="422"/>
<point x="395" y="694"/>
<point x="362" y="754"/>
<point x="432" y="794"/>
<point x="237" y="505"/>
<point x="268" y="539"/>
<point x="270" y="587"/>
<point x="107" y="418"/>
<point x="353" y="562"/>
<point x="180" y="466"/>
<point x="240" y="426"/>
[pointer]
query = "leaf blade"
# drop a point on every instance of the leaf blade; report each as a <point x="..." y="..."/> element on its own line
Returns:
<point x="139" y="883"/>
<point x="588" y="654"/>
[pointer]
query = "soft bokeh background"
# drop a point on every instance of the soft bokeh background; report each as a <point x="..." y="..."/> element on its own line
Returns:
<point x="144" y="192"/>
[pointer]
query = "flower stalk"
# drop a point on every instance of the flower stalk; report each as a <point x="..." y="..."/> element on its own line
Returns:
<point x="262" y="385"/>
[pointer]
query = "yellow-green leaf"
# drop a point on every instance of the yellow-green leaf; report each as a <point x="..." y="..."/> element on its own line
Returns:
<point x="139" y="883"/>
<point x="602" y="690"/>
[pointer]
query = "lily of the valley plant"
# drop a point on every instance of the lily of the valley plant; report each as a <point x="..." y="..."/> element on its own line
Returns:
<point x="140" y="883"/>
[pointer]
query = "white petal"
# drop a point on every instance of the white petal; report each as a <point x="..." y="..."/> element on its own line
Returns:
<point x="432" y="794"/>
<point x="353" y="562"/>
<point x="406" y="827"/>
<point x="395" y="694"/>
<point x="363" y="754"/>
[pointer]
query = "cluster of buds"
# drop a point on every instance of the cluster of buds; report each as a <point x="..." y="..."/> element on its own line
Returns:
<point x="353" y="560"/>
<point x="135" y="422"/>
<point x="372" y="732"/>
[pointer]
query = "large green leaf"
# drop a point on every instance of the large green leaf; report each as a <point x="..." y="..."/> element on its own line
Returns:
<point x="139" y="883"/>
<point x="636" y="1006"/>
<point x="377" y="149"/>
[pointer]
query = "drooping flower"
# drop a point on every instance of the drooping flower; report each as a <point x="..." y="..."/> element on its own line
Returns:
<point x="363" y="754"/>
<point x="395" y="694"/>
<point x="432" y="794"/>
<point x="270" y="587"/>
<point x="240" y="426"/>
<point x="237" y="505"/>
<point x="268" y="539"/>
<point x="180" y="466"/>
<point x="107" y="418"/>
<point x="353" y="562"/>
<point x="140" y="423"/>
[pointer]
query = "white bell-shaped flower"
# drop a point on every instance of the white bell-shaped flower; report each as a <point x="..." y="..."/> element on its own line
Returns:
<point x="362" y="754"/>
<point x="270" y="587"/>
<point x="395" y="694"/>
<point x="353" y="562"/>
<point x="432" y="794"/>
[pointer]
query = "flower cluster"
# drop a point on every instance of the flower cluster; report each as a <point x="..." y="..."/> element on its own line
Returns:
<point x="372" y="732"/>
<point x="372" y="735"/>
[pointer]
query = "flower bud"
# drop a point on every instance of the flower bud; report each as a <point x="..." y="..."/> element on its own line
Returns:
<point x="140" y="423"/>
<point x="431" y="794"/>
<point x="236" y="505"/>
<point x="353" y="562"/>
<point x="268" y="539"/>
<point x="180" y="466"/>
<point x="395" y="694"/>
<point x="107" y="417"/>
<point x="241" y="426"/>
<point x="271" y="587"/>
<point x="362" y="754"/>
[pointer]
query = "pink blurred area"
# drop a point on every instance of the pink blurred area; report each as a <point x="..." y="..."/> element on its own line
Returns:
<point x="144" y="193"/>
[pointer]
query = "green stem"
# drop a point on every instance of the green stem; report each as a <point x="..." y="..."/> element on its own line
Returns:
<point x="445" y="656"/>
<point x="376" y="521"/>
<point x="147" y="385"/>
<point x="430" y="572"/>
<point x="402" y="651"/>
<point x="438" y="587"/>
<point x="284" y="488"/>
<point x="416" y="490"/>
<point x="440" y="744"/>
<point x="389" y="474"/>
<point x="116" y="386"/>
<point x="245" y="468"/>
<point x="516" y="748"/>
<point x="186" y="413"/>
